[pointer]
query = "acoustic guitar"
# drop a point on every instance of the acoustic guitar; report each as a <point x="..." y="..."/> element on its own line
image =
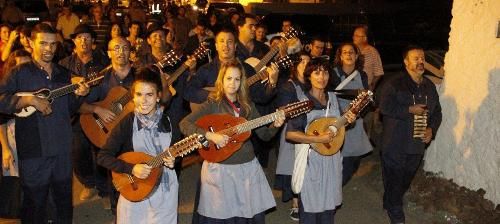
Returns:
<point x="50" y="95"/>
<point x="136" y="189"/>
<point x="258" y="65"/>
<point x="323" y="125"/>
<point x="117" y="101"/>
<point x="282" y="63"/>
<point x="239" y="129"/>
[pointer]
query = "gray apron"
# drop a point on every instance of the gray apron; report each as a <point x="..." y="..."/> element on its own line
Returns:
<point x="286" y="155"/>
<point x="356" y="141"/>
<point x="161" y="205"/>
<point x="322" y="187"/>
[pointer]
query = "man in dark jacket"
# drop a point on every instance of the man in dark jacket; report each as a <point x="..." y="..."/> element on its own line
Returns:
<point x="411" y="116"/>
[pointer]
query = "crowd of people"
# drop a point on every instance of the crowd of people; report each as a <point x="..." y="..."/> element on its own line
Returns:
<point x="49" y="146"/>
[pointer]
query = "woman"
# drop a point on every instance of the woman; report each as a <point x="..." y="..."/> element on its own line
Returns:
<point x="348" y="62"/>
<point x="287" y="94"/>
<point x="260" y="33"/>
<point x="234" y="190"/>
<point x="147" y="130"/>
<point x="115" y="31"/>
<point x="136" y="42"/>
<point x="321" y="191"/>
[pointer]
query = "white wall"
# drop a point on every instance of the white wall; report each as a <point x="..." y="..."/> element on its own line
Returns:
<point x="467" y="145"/>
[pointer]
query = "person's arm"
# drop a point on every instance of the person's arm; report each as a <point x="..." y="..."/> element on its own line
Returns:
<point x="7" y="157"/>
<point x="10" y="44"/>
<point x="378" y="69"/>
<point x="107" y="156"/>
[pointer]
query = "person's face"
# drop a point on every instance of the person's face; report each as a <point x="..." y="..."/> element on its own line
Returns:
<point x="231" y="82"/>
<point x="317" y="48"/>
<point x="200" y="30"/>
<point x="414" y="62"/>
<point x="97" y="12"/>
<point x="115" y="31"/>
<point x="22" y="59"/>
<point x="24" y="40"/>
<point x="348" y="55"/>
<point x="4" y="33"/>
<point x="304" y="59"/>
<point x="44" y="46"/>
<point x="225" y="45"/>
<point x="234" y="18"/>
<point x="134" y="30"/>
<point x="247" y="31"/>
<point x="359" y="37"/>
<point x="66" y="11"/>
<point x="319" y="79"/>
<point x="145" y="97"/>
<point x="83" y="43"/>
<point x="286" y="26"/>
<point x="157" y="39"/>
<point x="119" y="52"/>
<point x="260" y="33"/>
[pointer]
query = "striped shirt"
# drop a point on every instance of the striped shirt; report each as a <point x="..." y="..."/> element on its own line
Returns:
<point x="102" y="31"/>
<point x="372" y="63"/>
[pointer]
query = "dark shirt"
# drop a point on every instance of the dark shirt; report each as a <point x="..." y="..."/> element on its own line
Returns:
<point x="120" y="141"/>
<point x="300" y="123"/>
<point x="397" y="96"/>
<point x="38" y="135"/>
<point x="259" y="50"/>
<point x="287" y="93"/>
<point x="99" y="92"/>
<point x="98" y="62"/>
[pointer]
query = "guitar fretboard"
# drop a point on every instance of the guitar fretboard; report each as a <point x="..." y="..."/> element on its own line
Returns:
<point x="70" y="88"/>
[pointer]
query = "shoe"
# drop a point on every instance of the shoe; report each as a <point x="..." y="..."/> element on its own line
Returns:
<point x="87" y="193"/>
<point x="294" y="214"/>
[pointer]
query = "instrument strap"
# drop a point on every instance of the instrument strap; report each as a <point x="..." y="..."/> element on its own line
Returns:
<point x="235" y="108"/>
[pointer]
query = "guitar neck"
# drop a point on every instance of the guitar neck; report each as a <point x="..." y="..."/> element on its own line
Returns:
<point x="70" y="88"/>
<point x="259" y="76"/>
<point x="263" y="62"/>
<point x="250" y="125"/>
<point x="176" y="74"/>
<point x="158" y="160"/>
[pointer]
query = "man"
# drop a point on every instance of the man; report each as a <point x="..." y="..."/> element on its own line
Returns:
<point x="44" y="138"/>
<point x="200" y="36"/>
<point x="156" y="39"/>
<point x="317" y="47"/>
<point x="372" y="62"/>
<point x="182" y="26"/>
<point x="67" y="22"/>
<point x="100" y="25"/>
<point x="246" y="45"/>
<point x="85" y="62"/>
<point x="403" y="100"/>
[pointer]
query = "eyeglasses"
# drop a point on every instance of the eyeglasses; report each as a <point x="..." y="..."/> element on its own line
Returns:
<point x="118" y="48"/>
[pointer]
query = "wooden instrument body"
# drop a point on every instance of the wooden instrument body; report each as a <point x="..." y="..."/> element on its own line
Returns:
<point x="95" y="128"/>
<point x="216" y="123"/>
<point x="29" y="110"/>
<point x="140" y="188"/>
<point x="320" y="126"/>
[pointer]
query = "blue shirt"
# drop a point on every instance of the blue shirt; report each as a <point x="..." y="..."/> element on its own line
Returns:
<point x="38" y="135"/>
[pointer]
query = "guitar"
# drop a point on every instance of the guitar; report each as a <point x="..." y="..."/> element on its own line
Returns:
<point x="136" y="189"/>
<point x="282" y="63"/>
<point x="50" y="95"/>
<point x="258" y="65"/>
<point x="199" y="54"/>
<point x="323" y="125"/>
<point x="239" y="129"/>
<point x="117" y="101"/>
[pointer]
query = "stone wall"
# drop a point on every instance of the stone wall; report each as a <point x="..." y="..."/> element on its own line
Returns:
<point x="467" y="145"/>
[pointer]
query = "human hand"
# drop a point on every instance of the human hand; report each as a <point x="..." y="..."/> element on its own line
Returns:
<point x="105" y="114"/>
<point x="169" y="162"/>
<point x="427" y="136"/>
<point x="418" y="109"/>
<point x="218" y="139"/>
<point x="141" y="171"/>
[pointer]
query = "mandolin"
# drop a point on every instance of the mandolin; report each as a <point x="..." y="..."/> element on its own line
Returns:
<point x="50" y="95"/>
<point x="118" y="101"/>
<point x="136" y="189"/>
<point x="239" y="129"/>
<point x="323" y="125"/>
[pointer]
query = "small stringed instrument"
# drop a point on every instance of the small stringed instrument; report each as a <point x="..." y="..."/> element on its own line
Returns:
<point x="282" y="63"/>
<point x="258" y="65"/>
<point x="136" y="189"/>
<point x="117" y="101"/>
<point x="323" y="125"/>
<point x="239" y="129"/>
<point x="50" y="95"/>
